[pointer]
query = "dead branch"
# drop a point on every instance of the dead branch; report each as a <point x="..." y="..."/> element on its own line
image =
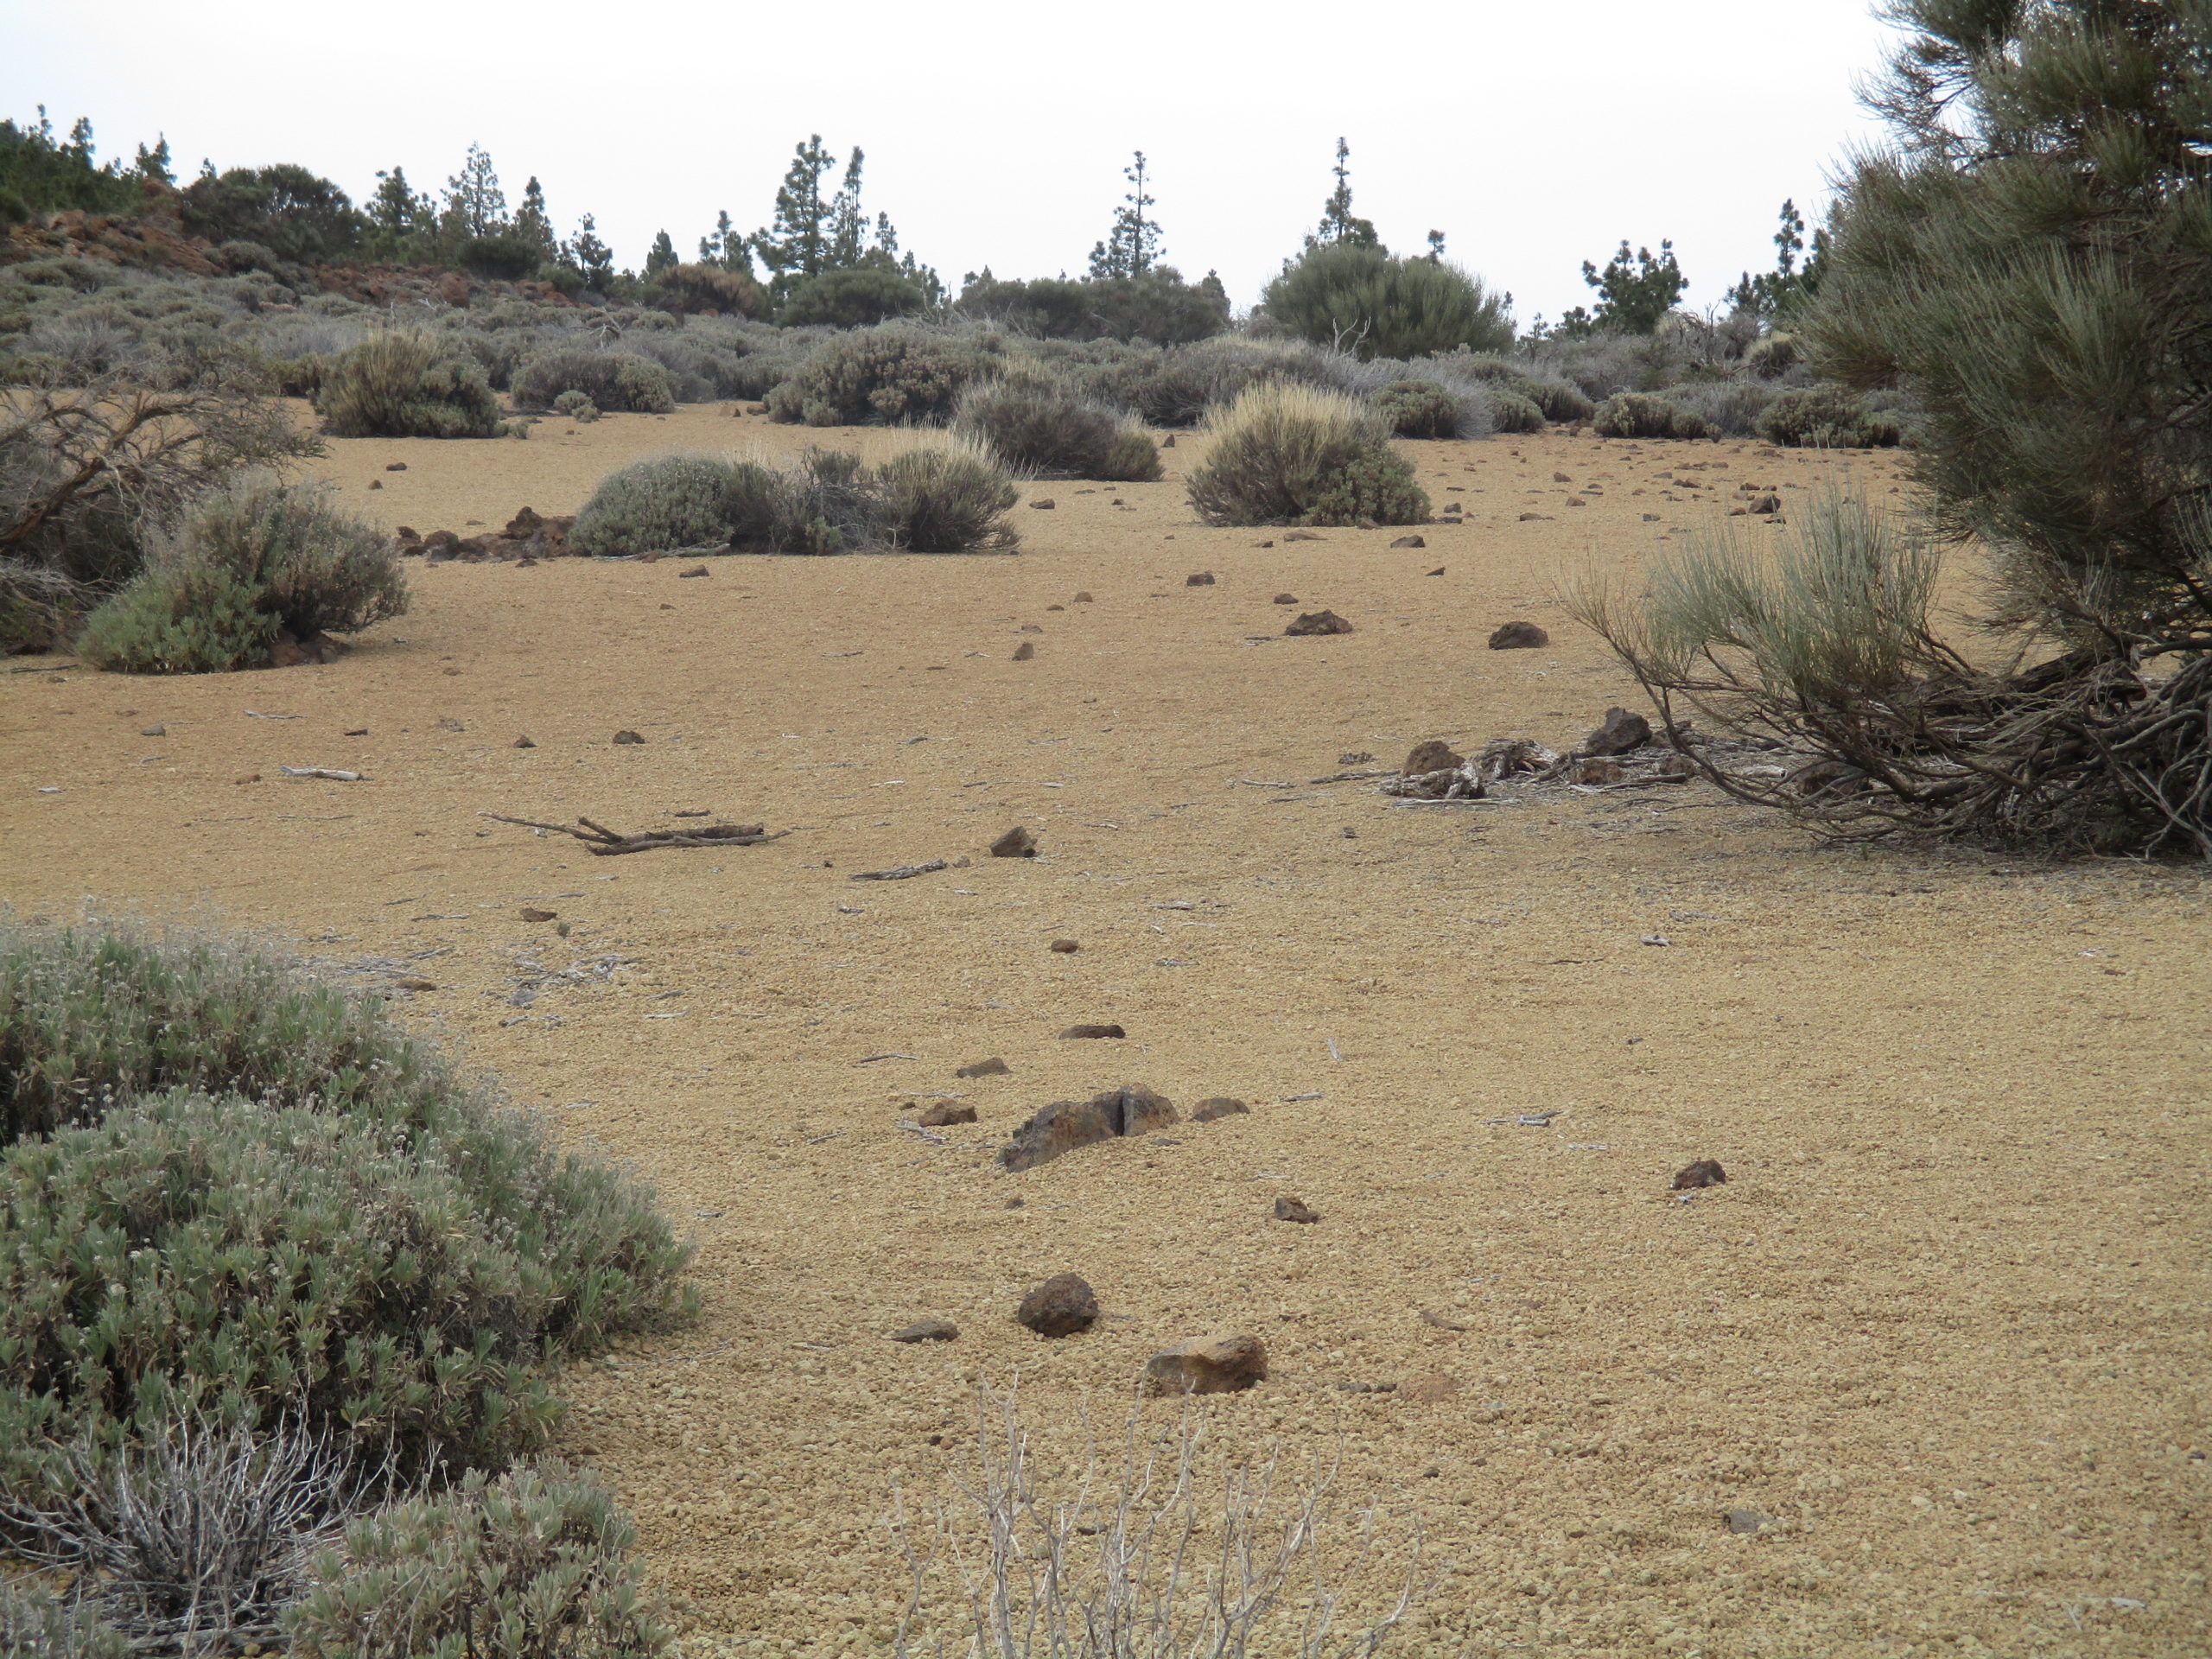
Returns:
<point x="608" y="844"/>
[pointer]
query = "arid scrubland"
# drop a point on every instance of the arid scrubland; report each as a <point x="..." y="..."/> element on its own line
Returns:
<point x="753" y="958"/>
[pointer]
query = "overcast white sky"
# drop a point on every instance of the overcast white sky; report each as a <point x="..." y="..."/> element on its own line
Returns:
<point x="1533" y="136"/>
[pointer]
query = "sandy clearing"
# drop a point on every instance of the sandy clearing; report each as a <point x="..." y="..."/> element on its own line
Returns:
<point x="1946" y="1322"/>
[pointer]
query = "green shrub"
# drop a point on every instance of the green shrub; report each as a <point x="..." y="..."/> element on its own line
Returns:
<point x="1419" y="409"/>
<point x="406" y="386"/>
<point x="1825" y="417"/>
<point x="35" y="1623"/>
<point x="853" y="298"/>
<point x="1038" y="427"/>
<point x="537" y="1565"/>
<point x="675" y="501"/>
<point x="947" y="499"/>
<point x="576" y="407"/>
<point x="1363" y="301"/>
<point x="247" y="1104"/>
<point x="1640" y="415"/>
<point x="1512" y="412"/>
<point x="879" y="376"/>
<point x="1560" y="400"/>
<point x="613" y="380"/>
<point x="1290" y="453"/>
<point x="249" y="564"/>
<point x="195" y="1253"/>
<point x="497" y="259"/>
<point x="1158" y="307"/>
<point x="1731" y="408"/>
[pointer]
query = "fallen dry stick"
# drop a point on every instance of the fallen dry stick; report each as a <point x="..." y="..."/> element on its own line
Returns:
<point x="904" y="872"/>
<point x="606" y="843"/>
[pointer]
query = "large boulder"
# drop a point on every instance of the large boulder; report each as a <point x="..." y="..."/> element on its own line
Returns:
<point x="1063" y="1306"/>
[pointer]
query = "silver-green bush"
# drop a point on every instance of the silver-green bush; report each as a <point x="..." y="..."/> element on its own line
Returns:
<point x="406" y="386"/>
<point x="621" y="381"/>
<point x="1038" y="427"/>
<point x="1289" y="454"/>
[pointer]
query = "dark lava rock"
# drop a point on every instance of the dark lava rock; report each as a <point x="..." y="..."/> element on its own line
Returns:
<point x="1080" y="1032"/>
<point x="1067" y="1125"/>
<point x="928" y="1331"/>
<point x="1621" y="732"/>
<point x="944" y="1112"/>
<point x="696" y="570"/>
<point x="1061" y="1306"/>
<point x="1017" y="843"/>
<point x="1318" y="622"/>
<point x="1519" y="636"/>
<point x="1289" y="1209"/>
<point x="994" y="1067"/>
<point x="1066" y="947"/>
<point x="1286" y="599"/>
<point x="1432" y="755"/>
<point x="524" y="742"/>
<point x="1200" y="578"/>
<point x="1409" y="540"/>
<point x="1025" y="652"/>
<point x="1220" y="1106"/>
<point x="627" y="737"/>
<point x="1706" y="1171"/>
<point x="1222" y="1364"/>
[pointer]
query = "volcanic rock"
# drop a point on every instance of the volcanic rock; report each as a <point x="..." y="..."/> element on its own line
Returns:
<point x="1066" y="1125"/>
<point x="1218" y="1364"/>
<point x="1061" y="1306"/>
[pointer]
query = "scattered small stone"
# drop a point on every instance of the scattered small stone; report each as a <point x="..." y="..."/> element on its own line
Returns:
<point x="1650" y="518"/>
<point x="1659" y="939"/>
<point x="1519" y="636"/>
<point x="1432" y="754"/>
<point x="627" y="737"/>
<point x="1198" y="579"/>
<point x="1367" y="1388"/>
<point x="1080" y="1031"/>
<point x="1365" y="523"/>
<point x="1066" y="947"/>
<point x="1289" y="1209"/>
<point x="1318" y="622"/>
<point x="1024" y="651"/>
<point x="1220" y="1106"/>
<point x="928" y="1331"/>
<point x="1286" y="599"/>
<point x="1763" y="505"/>
<point x="1219" y="1364"/>
<point x="1576" y="501"/>
<point x="153" y="731"/>
<point x="1409" y="540"/>
<point x="1429" y="1391"/>
<point x="1061" y="1306"/>
<point x="362" y="731"/>
<point x="1067" y="1125"/>
<point x="1705" y="1171"/>
<point x="247" y="777"/>
<point x="530" y="915"/>
<point x="1264" y="543"/>
<point x="1438" y="571"/>
<point x="1016" y="1204"/>
<point x="696" y="570"/>
<point x="994" y="1067"/>
<point x="1354" y="758"/>
<point x="1561" y="478"/>
<point x="1043" y="503"/>
<point x="376" y="483"/>
<point x="413" y="985"/>
<point x="524" y="742"/>
<point x="395" y="466"/>
<point x="1302" y="536"/>
<point x="1622" y="731"/>
<point x="1055" y="608"/>
<point x="1017" y="843"/>
<point x="1747" y="1521"/>
<point x="1083" y="599"/>
<point x="1533" y="517"/>
<point x="944" y="1112"/>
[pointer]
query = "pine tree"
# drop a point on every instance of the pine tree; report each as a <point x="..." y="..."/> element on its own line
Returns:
<point x="1790" y="286"/>
<point x="587" y="254"/>
<point x="1436" y="247"/>
<point x="847" y="235"/>
<point x="1339" y="223"/>
<point x="796" y="245"/>
<point x="661" y="257"/>
<point x="726" y="249"/>
<point x="533" y="226"/>
<point x="398" y="217"/>
<point x="1132" y="247"/>
<point x="1634" y="292"/>
<point x="476" y="205"/>
<point x="155" y="163"/>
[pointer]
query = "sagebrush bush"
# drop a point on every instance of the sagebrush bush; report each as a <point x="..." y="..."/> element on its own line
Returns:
<point x="576" y="407"/>
<point x="1731" y="408"/>
<point x="854" y="298"/>
<point x="406" y="386"/>
<point x="707" y="290"/>
<point x="1512" y="412"/>
<point x="538" y="1564"/>
<point x="1038" y="427"/>
<point x="1158" y="307"/>
<point x="1826" y="418"/>
<point x="36" y="1624"/>
<point x="612" y="380"/>
<point x="952" y="499"/>
<point x="1288" y="454"/>
<point x="291" y="1150"/>
<point x="945" y="499"/>
<point x="1641" y="414"/>
<point x="1419" y="409"/>
<point x="249" y="563"/>
<point x="878" y="376"/>
<point x="1560" y="400"/>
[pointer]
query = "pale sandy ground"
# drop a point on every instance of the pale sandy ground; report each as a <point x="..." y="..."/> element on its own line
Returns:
<point x="1946" y="1324"/>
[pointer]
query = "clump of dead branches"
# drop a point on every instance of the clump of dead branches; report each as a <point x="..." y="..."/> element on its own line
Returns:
<point x="1159" y="1550"/>
<point x="89" y="472"/>
<point x="1828" y="652"/>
